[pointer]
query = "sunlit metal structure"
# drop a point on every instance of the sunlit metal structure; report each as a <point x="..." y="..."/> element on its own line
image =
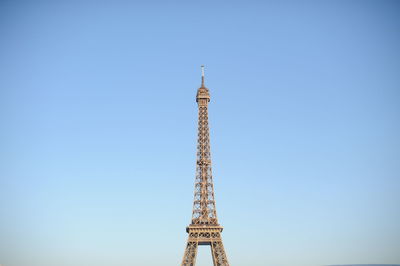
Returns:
<point x="204" y="228"/>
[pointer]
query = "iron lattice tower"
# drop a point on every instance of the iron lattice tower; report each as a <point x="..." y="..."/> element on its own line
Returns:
<point x="204" y="228"/>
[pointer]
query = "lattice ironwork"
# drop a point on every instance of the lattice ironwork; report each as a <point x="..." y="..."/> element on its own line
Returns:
<point x="204" y="228"/>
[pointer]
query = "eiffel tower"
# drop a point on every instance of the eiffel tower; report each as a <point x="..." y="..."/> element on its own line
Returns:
<point x="204" y="229"/>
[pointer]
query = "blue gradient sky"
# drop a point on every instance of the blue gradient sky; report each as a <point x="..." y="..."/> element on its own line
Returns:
<point x="98" y="130"/>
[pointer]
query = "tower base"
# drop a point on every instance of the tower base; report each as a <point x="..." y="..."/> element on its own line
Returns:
<point x="204" y="235"/>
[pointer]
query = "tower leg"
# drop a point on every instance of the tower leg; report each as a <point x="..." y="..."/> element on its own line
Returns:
<point x="218" y="253"/>
<point x="189" y="258"/>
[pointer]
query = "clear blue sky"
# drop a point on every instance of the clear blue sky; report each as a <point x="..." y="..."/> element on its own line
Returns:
<point x="98" y="130"/>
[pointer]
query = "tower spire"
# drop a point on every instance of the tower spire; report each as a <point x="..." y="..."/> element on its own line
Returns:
<point x="202" y="75"/>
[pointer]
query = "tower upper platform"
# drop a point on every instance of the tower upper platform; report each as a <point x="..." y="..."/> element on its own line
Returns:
<point x="203" y="95"/>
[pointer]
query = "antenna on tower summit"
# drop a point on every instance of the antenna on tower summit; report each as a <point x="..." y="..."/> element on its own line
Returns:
<point x="202" y="75"/>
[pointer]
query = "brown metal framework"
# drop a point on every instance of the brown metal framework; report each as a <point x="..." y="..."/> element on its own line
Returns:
<point x="204" y="228"/>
